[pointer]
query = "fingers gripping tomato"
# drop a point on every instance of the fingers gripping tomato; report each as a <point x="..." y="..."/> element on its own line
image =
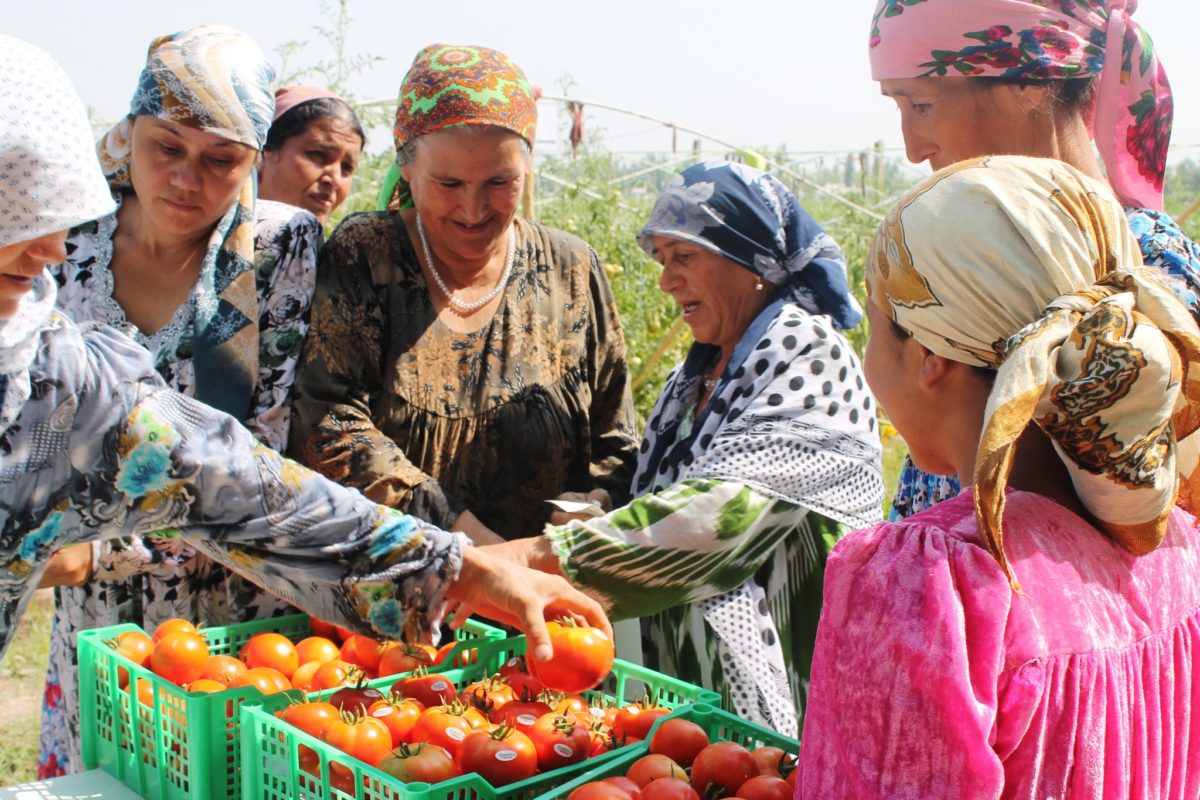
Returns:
<point x="583" y="656"/>
<point x="502" y="756"/>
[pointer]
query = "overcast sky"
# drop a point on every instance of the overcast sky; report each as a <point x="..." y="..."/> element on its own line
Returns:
<point x="753" y="72"/>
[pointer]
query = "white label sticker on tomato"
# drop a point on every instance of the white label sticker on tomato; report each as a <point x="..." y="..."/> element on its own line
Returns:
<point x="598" y="713"/>
<point x="526" y="719"/>
<point x="564" y="750"/>
<point x="439" y="686"/>
<point x="512" y="662"/>
<point x="506" y="755"/>
<point x="383" y="711"/>
<point x="457" y="734"/>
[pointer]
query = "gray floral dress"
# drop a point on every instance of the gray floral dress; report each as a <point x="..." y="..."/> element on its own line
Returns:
<point x="147" y="580"/>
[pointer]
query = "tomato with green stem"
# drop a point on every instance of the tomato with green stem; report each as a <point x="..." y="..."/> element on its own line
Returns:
<point x="583" y="657"/>
<point x="502" y="756"/>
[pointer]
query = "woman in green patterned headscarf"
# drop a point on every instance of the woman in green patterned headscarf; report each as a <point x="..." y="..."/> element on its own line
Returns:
<point x="449" y="335"/>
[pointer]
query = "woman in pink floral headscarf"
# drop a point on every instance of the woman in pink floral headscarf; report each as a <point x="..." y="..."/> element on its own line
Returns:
<point x="1052" y="78"/>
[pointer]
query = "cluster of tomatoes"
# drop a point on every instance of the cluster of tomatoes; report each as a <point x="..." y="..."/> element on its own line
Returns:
<point x="270" y="662"/>
<point x="684" y="765"/>
<point x="506" y="728"/>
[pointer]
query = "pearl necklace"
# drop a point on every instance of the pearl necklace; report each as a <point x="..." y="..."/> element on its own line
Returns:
<point x="454" y="301"/>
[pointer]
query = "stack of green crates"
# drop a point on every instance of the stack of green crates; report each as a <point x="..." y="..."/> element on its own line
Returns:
<point x="185" y="745"/>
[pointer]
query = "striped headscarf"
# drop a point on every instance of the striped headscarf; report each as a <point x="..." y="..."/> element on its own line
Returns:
<point x="1027" y="266"/>
<point x="217" y="80"/>
<point x="450" y="85"/>
<point x="1045" y="40"/>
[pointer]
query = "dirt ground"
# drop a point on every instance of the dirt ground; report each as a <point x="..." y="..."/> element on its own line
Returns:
<point x="22" y="674"/>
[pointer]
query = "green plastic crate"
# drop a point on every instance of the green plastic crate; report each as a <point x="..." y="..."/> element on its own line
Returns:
<point x="270" y="746"/>
<point x="185" y="745"/>
<point x="720" y="725"/>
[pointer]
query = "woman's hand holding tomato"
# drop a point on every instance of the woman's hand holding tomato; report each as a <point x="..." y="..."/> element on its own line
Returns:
<point x="583" y="657"/>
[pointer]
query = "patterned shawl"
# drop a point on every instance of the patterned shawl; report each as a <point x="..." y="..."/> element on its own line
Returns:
<point x="458" y="85"/>
<point x="217" y="80"/>
<point x="1046" y="40"/>
<point x="50" y="182"/>
<point x="1044" y="282"/>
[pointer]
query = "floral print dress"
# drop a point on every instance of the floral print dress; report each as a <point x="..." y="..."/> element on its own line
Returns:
<point x="147" y="580"/>
<point x="431" y="421"/>
<point x="101" y="448"/>
<point x="1164" y="245"/>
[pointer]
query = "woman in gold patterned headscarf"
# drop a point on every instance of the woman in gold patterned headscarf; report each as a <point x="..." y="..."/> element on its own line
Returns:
<point x="1066" y="376"/>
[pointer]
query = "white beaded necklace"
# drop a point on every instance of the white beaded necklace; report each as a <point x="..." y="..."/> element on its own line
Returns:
<point x="454" y="301"/>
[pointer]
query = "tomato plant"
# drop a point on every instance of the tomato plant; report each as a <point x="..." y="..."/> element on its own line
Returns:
<point x="726" y="765"/>
<point x="680" y="739"/>
<point x="427" y="763"/>
<point x="583" y="656"/>
<point x="502" y="756"/>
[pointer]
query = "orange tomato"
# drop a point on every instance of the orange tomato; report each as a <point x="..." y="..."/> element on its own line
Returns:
<point x="331" y="674"/>
<point x="171" y="626"/>
<point x="302" y="678"/>
<point x="179" y="657"/>
<point x="137" y="647"/>
<point x="399" y="714"/>
<point x="316" y="648"/>
<point x="272" y="650"/>
<point x="265" y="679"/>
<point x="206" y="685"/>
<point x="398" y="657"/>
<point x="361" y="651"/>
<point x="223" y="669"/>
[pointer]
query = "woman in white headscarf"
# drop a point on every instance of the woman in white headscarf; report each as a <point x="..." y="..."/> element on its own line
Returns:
<point x="95" y="445"/>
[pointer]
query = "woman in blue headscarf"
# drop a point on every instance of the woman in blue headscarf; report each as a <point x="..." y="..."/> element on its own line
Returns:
<point x="217" y="285"/>
<point x="760" y="451"/>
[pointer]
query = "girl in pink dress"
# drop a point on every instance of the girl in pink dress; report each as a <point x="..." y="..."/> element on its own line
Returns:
<point x="1034" y="637"/>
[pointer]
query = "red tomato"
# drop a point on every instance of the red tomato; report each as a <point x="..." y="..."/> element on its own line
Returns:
<point x="520" y="714"/>
<point x="309" y="717"/>
<point x="571" y="704"/>
<point x="364" y="738"/>
<point x="179" y="657"/>
<point x="398" y="658"/>
<point x="772" y="760"/>
<point x="724" y="764"/>
<point x="466" y="657"/>
<point x="487" y="695"/>
<point x="601" y="790"/>
<point x="583" y="656"/>
<point x="669" y="789"/>
<point x="355" y="699"/>
<point x="635" y="721"/>
<point x="626" y="785"/>
<point x="343" y="633"/>
<point x="426" y="763"/>
<point x="322" y="628"/>
<point x="431" y="690"/>
<point x="223" y="668"/>
<point x="524" y="685"/>
<point x="559" y="741"/>
<point x="601" y="738"/>
<point x="316" y="648"/>
<point x="444" y="726"/>
<point x="272" y="650"/>
<point x="331" y="674"/>
<point x="765" y="787"/>
<point x="265" y="679"/>
<point x="679" y="739"/>
<point x="653" y="767"/>
<point x="399" y="714"/>
<point x="502" y="756"/>
<point x="173" y="625"/>
<point x="361" y="651"/>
